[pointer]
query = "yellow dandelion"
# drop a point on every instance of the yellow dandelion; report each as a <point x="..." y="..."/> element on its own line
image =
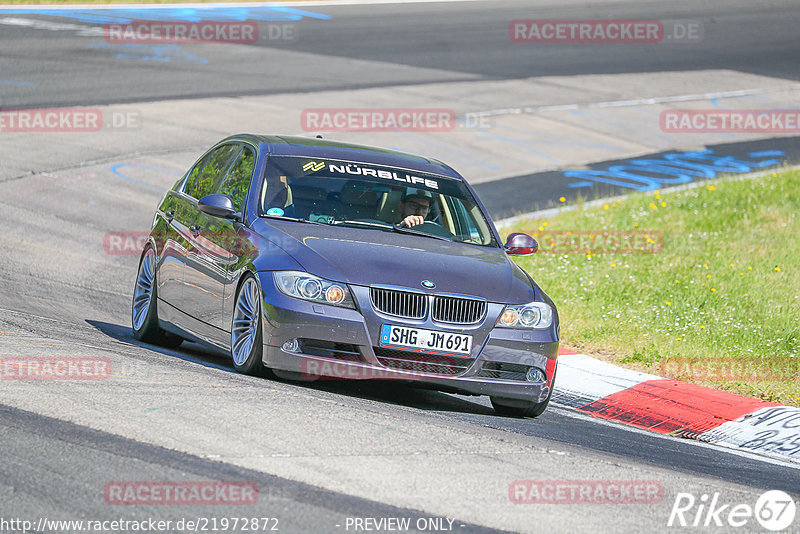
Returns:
<point x="777" y="269"/>
<point x="710" y="187"/>
<point x="741" y="274"/>
<point x="703" y="327"/>
<point x="708" y="276"/>
<point x="663" y="204"/>
<point x="569" y="233"/>
<point x="669" y="303"/>
<point x="605" y="206"/>
<point x="541" y="228"/>
<point x="619" y="201"/>
<point x="613" y="264"/>
<point x="658" y="197"/>
<point x="749" y="268"/>
<point x="653" y="206"/>
<point x="562" y="199"/>
<point x="713" y="290"/>
<point x="544" y="223"/>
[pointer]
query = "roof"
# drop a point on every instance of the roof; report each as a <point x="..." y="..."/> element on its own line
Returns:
<point x="284" y="145"/>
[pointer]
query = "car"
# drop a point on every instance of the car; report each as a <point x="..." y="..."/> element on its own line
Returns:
<point x="308" y="258"/>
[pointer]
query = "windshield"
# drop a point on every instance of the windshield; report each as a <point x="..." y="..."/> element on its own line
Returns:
<point x="373" y="197"/>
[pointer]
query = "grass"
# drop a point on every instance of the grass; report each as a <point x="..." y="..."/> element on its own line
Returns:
<point x="718" y="305"/>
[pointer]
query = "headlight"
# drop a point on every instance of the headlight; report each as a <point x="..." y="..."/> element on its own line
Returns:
<point x="306" y="286"/>
<point x="532" y="315"/>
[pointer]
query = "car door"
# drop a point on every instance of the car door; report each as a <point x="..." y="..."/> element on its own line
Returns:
<point x="172" y="233"/>
<point x="194" y="300"/>
<point x="214" y="245"/>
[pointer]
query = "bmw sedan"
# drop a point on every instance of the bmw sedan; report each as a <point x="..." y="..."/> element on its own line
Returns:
<point x="311" y="259"/>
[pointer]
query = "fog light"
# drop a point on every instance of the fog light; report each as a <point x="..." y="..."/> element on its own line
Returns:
<point x="535" y="375"/>
<point x="291" y="346"/>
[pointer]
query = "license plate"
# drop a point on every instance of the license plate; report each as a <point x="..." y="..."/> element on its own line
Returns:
<point x="403" y="337"/>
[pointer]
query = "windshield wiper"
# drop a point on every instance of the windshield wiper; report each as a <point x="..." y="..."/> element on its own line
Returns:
<point x="287" y="218"/>
<point x="384" y="226"/>
<point x="411" y="231"/>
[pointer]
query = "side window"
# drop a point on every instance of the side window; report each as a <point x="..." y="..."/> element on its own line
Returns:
<point x="237" y="179"/>
<point x="192" y="178"/>
<point x="205" y="180"/>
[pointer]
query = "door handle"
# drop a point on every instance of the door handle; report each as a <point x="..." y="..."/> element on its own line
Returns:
<point x="195" y="230"/>
<point x="169" y="215"/>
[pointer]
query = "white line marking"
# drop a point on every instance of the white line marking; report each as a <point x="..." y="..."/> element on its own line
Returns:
<point x="636" y="101"/>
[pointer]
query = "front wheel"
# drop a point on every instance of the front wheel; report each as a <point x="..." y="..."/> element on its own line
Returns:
<point x="515" y="408"/>
<point x="518" y="408"/>
<point x="247" y="349"/>
<point x="144" y="308"/>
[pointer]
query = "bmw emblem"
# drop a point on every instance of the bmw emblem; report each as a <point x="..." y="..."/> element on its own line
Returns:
<point x="427" y="284"/>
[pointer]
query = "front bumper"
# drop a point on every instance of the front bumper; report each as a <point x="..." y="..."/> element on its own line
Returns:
<point x="496" y="366"/>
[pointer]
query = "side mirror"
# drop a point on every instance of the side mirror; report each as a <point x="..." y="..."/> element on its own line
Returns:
<point x="218" y="206"/>
<point x="519" y="244"/>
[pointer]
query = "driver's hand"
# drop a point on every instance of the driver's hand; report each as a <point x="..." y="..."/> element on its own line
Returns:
<point x="413" y="220"/>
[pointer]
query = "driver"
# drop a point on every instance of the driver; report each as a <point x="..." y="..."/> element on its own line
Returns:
<point x="414" y="206"/>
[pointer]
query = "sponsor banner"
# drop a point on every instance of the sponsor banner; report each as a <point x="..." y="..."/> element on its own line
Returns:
<point x="599" y="242"/>
<point x="180" y="493"/>
<point x="730" y="121"/>
<point x="55" y="368"/>
<point x="586" y="492"/>
<point x="67" y="120"/>
<point x="182" y="32"/>
<point x="378" y="120"/>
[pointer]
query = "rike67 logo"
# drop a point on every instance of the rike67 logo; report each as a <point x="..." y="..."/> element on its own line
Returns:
<point x="774" y="510"/>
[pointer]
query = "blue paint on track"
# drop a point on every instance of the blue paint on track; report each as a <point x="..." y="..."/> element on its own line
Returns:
<point x="116" y="170"/>
<point x="674" y="168"/>
<point x="216" y="12"/>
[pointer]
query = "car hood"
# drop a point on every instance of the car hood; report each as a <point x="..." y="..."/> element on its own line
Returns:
<point x="371" y="256"/>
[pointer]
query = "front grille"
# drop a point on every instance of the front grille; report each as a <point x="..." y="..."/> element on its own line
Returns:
<point x="329" y="349"/>
<point x="399" y="303"/>
<point x="422" y="362"/>
<point x="458" y="310"/>
<point x="503" y="371"/>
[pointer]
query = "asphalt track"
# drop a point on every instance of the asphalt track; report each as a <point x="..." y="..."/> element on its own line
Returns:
<point x="319" y="453"/>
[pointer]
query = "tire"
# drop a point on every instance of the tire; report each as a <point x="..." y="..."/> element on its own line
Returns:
<point x="247" y="349"/>
<point x="144" y="306"/>
<point x="517" y="408"/>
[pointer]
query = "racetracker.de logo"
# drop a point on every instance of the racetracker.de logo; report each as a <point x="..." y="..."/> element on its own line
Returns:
<point x="181" y="493"/>
<point x="730" y="121"/>
<point x="586" y="492"/>
<point x="171" y="32"/>
<point x="604" y="31"/>
<point x="55" y="368"/>
<point x="599" y="242"/>
<point x="378" y="120"/>
<point x="67" y="120"/>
